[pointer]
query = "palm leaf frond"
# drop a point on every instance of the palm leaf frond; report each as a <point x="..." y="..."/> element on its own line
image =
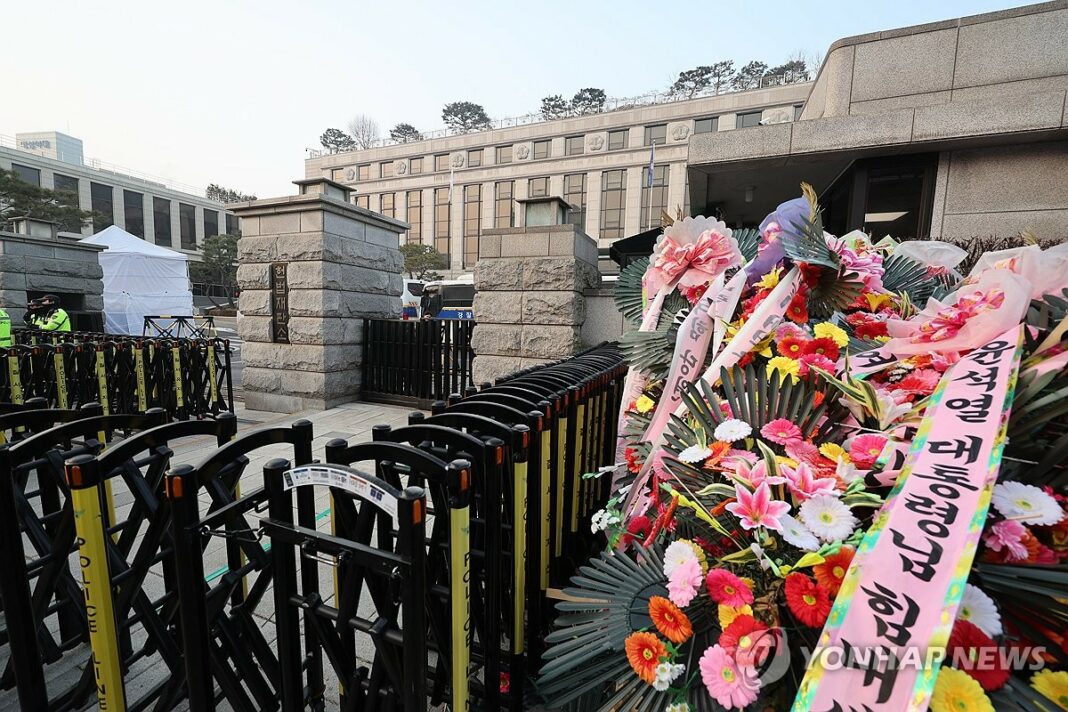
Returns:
<point x="905" y="275"/>
<point x="803" y="241"/>
<point x="833" y="292"/>
<point x="608" y="600"/>
<point x="650" y="351"/>
<point x="748" y="241"/>
<point x="628" y="292"/>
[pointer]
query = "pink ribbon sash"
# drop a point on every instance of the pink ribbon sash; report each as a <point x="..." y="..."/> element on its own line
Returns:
<point x="881" y="646"/>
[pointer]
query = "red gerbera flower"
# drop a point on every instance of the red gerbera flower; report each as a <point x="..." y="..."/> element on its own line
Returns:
<point x="726" y="588"/>
<point x="798" y="309"/>
<point x="792" y="347"/>
<point x="638" y="527"/>
<point x="824" y="346"/>
<point x="644" y="651"/>
<point x="871" y="329"/>
<point x="748" y="640"/>
<point x="807" y="601"/>
<point x="832" y="571"/>
<point x="633" y="463"/>
<point x="974" y="652"/>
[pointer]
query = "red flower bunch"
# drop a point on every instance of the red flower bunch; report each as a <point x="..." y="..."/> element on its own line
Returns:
<point x="806" y="600"/>
<point x="974" y="652"/>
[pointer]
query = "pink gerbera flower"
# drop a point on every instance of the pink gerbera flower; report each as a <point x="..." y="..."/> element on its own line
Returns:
<point x="727" y="683"/>
<point x="757" y="508"/>
<point x="803" y="451"/>
<point x="727" y="589"/>
<point x="781" y="431"/>
<point x="1009" y="535"/>
<point x="820" y="361"/>
<point x="683" y="582"/>
<point x="865" y="450"/>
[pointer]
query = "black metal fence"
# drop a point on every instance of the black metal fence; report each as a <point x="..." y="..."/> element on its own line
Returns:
<point x="416" y="362"/>
<point x="187" y="377"/>
<point x="452" y="607"/>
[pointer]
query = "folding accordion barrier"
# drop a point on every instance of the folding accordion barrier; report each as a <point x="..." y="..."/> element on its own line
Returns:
<point x="409" y="571"/>
<point x="186" y="377"/>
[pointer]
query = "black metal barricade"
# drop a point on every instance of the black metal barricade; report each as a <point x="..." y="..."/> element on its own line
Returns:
<point x="448" y="552"/>
<point x="416" y="362"/>
<point x="45" y="518"/>
<point x="460" y="591"/>
<point x="391" y="572"/>
<point x="222" y="639"/>
<point x="187" y="377"/>
<point x="130" y="622"/>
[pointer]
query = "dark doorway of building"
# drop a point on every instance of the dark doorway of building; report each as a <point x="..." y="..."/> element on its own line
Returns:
<point x="885" y="195"/>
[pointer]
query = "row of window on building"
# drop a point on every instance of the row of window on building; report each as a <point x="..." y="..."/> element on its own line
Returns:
<point x="654" y="197"/>
<point x="618" y="139"/>
<point x="102" y="203"/>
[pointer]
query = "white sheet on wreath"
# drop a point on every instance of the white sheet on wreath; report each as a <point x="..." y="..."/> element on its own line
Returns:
<point x="140" y="279"/>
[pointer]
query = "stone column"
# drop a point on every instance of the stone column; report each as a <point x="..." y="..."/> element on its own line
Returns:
<point x="529" y="307"/>
<point x="311" y="268"/>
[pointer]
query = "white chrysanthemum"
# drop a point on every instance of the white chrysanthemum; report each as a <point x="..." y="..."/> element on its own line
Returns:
<point x="980" y="610"/>
<point x="826" y="517"/>
<point x="1026" y="503"/>
<point x="666" y="674"/>
<point x="602" y="519"/>
<point x="695" y="453"/>
<point x="733" y="429"/>
<point x="795" y="533"/>
<point x="678" y="707"/>
<point x="677" y="553"/>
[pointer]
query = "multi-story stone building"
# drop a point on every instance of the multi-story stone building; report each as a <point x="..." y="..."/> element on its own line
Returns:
<point x="952" y="130"/>
<point x="158" y="211"/>
<point x="452" y="188"/>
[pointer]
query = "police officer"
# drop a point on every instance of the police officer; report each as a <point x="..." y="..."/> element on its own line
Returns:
<point x="5" y="330"/>
<point x="53" y="317"/>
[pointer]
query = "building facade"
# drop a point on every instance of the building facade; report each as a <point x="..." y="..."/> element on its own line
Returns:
<point x="950" y="130"/>
<point x="451" y="189"/>
<point x="149" y="209"/>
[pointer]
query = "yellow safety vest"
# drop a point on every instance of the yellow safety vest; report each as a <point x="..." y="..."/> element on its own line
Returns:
<point x="57" y="321"/>
<point x="5" y="330"/>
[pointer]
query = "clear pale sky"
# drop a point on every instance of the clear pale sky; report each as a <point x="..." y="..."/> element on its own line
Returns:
<point x="234" y="91"/>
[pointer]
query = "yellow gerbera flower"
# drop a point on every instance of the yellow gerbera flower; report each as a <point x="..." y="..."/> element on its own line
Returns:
<point x="727" y="614"/>
<point x="828" y="330"/>
<point x="786" y="366"/>
<point x="834" y="452"/>
<point x="771" y="279"/>
<point x="957" y="691"/>
<point x="644" y="404"/>
<point x="1053" y="685"/>
<point x="699" y="552"/>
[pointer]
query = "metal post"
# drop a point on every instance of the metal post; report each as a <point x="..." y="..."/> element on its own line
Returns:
<point x="83" y="478"/>
<point x="284" y="562"/>
<point x="460" y="581"/>
<point x="411" y="510"/>
<point x="181" y="490"/>
<point x="15" y="593"/>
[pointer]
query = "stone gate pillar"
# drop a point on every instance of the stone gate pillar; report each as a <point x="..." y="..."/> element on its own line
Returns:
<point x="529" y="307"/>
<point x="311" y="267"/>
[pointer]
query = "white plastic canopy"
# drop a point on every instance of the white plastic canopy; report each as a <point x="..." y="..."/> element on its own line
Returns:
<point x="140" y="279"/>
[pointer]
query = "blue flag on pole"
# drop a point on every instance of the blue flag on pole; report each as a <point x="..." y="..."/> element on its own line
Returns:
<point x="652" y="159"/>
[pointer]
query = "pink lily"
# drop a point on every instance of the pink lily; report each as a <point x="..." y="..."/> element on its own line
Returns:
<point x="755" y="475"/>
<point x="757" y="508"/>
<point x="803" y="482"/>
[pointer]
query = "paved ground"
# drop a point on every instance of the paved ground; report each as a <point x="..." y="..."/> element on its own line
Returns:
<point x="353" y="421"/>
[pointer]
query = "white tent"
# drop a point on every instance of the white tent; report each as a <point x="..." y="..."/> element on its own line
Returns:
<point x="140" y="279"/>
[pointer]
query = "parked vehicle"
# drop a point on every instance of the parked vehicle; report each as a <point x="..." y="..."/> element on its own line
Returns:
<point x="410" y="296"/>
